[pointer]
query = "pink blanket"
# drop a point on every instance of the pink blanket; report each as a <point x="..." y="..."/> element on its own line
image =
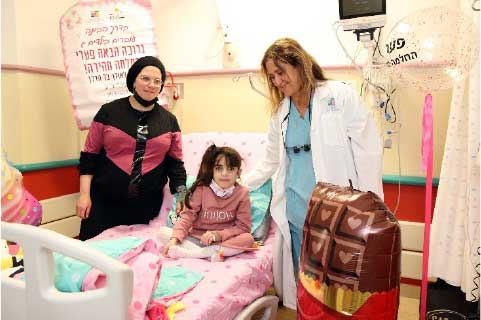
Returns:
<point x="145" y="263"/>
<point x="227" y="286"/>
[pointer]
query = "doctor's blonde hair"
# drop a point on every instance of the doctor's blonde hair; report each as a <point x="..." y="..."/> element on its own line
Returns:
<point x="289" y="51"/>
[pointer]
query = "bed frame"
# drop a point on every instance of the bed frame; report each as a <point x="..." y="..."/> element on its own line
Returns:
<point x="265" y="308"/>
<point x="37" y="297"/>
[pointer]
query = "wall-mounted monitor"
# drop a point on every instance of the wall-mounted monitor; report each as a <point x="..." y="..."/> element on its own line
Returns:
<point x="362" y="14"/>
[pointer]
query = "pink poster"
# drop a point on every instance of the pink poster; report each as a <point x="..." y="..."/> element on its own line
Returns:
<point x="100" y="41"/>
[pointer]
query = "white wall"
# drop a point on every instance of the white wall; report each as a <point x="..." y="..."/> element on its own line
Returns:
<point x="35" y="27"/>
<point x="37" y="120"/>
<point x="9" y="32"/>
<point x="188" y="32"/>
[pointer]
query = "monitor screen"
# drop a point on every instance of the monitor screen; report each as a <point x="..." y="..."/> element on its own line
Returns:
<point x="349" y="9"/>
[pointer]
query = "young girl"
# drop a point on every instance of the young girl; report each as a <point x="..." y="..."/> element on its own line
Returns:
<point x="218" y="211"/>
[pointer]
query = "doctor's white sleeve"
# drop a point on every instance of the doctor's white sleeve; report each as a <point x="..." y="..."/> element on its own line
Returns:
<point x="269" y="163"/>
<point x="366" y="143"/>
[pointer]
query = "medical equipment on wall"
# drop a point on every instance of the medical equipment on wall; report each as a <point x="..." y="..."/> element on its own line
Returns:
<point x="251" y="77"/>
<point x="229" y="57"/>
<point x="224" y="47"/>
<point x="364" y="18"/>
<point x="362" y="14"/>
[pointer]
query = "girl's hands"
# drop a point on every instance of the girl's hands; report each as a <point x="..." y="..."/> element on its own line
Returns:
<point x="172" y="242"/>
<point x="210" y="237"/>
<point x="179" y="207"/>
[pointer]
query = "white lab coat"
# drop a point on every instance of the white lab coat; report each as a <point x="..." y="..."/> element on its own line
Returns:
<point x="345" y="145"/>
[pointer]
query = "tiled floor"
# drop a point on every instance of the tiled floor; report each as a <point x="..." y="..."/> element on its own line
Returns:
<point x="408" y="305"/>
<point x="408" y="310"/>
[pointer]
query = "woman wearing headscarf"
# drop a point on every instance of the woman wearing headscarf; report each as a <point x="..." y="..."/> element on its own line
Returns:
<point x="133" y="147"/>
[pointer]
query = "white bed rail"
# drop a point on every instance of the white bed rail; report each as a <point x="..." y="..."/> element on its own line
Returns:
<point x="37" y="297"/>
<point x="268" y="305"/>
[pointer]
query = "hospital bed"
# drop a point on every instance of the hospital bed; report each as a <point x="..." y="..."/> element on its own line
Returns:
<point x="233" y="289"/>
<point x="37" y="298"/>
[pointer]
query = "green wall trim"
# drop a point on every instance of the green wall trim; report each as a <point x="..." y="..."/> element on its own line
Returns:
<point x="46" y="165"/>
<point x="390" y="179"/>
<point x="408" y="180"/>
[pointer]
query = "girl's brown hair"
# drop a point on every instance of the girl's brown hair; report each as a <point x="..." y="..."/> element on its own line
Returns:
<point x="289" y="51"/>
<point x="206" y="170"/>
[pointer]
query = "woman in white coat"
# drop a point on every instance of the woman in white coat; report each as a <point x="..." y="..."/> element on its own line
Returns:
<point x="319" y="131"/>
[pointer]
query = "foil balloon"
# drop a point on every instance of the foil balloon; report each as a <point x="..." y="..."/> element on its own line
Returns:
<point x="18" y="205"/>
<point x="350" y="257"/>
<point x="432" y="48"/>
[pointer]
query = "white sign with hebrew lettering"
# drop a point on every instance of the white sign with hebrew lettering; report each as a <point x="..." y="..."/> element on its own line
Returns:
<point x="100" y="41"/>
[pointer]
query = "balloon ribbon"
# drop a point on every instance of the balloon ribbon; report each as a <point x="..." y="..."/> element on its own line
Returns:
<point x="427" y="166"/>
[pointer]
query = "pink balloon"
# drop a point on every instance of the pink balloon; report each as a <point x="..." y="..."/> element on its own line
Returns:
<point x="18" y="205"/>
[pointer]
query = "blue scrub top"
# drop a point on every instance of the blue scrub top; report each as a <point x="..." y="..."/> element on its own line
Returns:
<point x="300" y="179"/>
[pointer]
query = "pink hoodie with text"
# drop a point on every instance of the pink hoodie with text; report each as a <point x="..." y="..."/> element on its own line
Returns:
<point x="230" y="217"/>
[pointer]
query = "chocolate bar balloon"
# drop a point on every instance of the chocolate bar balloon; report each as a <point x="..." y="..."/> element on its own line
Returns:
<point x="350" y="258"/>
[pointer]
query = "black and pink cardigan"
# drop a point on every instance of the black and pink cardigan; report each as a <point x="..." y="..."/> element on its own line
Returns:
<point x="110" y="146"/>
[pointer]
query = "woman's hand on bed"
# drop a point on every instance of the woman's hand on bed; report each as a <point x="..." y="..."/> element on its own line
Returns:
<point x="84" y="203"/>
<point x="172" y="242"/>
<point x="181" y="192"/>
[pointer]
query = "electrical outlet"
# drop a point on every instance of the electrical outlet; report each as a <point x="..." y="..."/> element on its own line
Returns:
<point x="229" y="59"/>
<point x="388" y="143"/>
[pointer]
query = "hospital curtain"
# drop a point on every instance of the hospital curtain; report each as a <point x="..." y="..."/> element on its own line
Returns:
<point x="454" y="245"/>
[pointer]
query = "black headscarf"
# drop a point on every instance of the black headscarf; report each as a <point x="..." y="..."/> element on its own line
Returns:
<point x="139" y="65"/>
